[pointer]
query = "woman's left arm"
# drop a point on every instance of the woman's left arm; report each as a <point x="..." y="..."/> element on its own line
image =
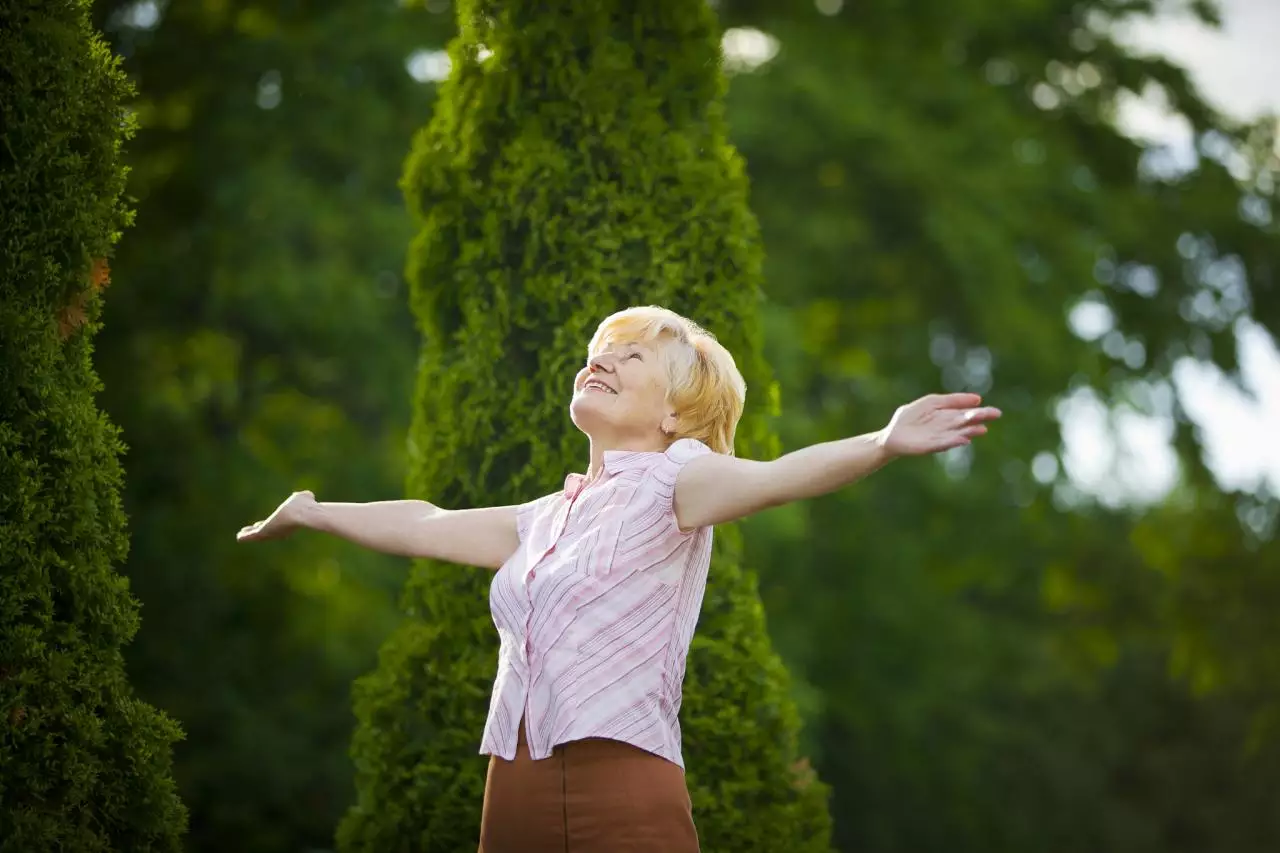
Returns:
<point x="715" y="489"/>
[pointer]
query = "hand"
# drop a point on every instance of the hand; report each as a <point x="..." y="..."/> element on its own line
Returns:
<point x="935" y="423"/>
<point x="288" y="517"/>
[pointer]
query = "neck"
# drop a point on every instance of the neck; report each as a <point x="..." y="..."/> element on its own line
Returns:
<point x="601" y="445"/>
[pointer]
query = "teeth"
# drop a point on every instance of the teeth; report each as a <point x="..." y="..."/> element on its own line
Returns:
<point x="601" y="387"/>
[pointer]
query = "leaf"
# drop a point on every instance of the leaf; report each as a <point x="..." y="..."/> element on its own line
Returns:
<point x="100" y="274"/>
<point x="73" y="315"/>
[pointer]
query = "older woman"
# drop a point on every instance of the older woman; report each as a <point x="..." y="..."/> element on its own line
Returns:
<point x="599" y="585"/>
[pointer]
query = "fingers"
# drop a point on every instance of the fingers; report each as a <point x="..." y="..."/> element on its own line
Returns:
<point x="967" y="430"/>
<point x="964" y="436"/>
<point x="249" y="531"/>
<point x="958" y="400"/>
<point x="980" y="415"/>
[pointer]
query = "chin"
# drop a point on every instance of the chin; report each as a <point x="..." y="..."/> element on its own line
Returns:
<point x="585" y="412"/>
<point x="578" y="412"/>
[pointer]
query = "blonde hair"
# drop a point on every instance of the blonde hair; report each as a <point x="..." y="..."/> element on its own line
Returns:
<point x="704" y="385"/>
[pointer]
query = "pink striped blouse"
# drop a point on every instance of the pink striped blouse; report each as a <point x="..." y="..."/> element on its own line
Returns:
<point x="596" y="609"/>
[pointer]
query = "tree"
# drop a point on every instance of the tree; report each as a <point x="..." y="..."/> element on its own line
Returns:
<point x="971" y="644"/>
<point x="84" y="765"/>
<point x="576" y="163"/>
<point x="258" y="342"/>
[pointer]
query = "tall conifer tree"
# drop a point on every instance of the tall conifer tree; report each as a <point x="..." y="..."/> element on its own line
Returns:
<point x="84" y="765"/>
<point x="577" y="163"/>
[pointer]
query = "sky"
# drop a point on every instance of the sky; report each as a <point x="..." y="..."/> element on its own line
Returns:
<point x="1237" y="68"/>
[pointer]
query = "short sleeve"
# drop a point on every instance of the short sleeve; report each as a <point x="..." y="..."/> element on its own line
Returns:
<point x="680" y="452"/>
<point x="675" y="458"/>
<point x="527" y="514"/>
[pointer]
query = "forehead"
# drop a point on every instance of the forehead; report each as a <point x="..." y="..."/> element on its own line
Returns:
<point x="624" y="342"/>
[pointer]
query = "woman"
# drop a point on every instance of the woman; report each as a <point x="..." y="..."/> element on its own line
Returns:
<point x="598" y="585"/>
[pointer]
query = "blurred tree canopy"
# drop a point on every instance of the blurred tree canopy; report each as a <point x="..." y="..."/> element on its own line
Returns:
<point x="981" y="643"/>
<point x="260" y="342"/>
<point x="987" y="658"/>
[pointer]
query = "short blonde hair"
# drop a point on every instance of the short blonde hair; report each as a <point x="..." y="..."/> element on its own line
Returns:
<point x="704" y="385"/>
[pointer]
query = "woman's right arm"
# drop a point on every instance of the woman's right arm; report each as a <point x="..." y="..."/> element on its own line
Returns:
<point x="407" y="528"/>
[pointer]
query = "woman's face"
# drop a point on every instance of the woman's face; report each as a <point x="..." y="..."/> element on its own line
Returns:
<point x="620" y="398"/>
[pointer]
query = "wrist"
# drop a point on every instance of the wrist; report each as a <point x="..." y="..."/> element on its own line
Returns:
<point x="883" y="450"/>
<point x="313" y="516"/>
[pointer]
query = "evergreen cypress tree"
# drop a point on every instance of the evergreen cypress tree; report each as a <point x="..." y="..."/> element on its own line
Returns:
<point x="577" y="163"/>
<point x="84" y="766"/>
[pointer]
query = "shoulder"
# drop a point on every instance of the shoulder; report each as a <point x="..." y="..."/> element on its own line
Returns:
<point x="544" y="502"/>
<point x="685" y="449"/>
<point x="528" y="514"/>
<point x="665" y="467"/>
<point x="676" y="467"/>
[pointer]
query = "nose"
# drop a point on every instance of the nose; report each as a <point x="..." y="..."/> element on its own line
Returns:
<point x="600" y="362"/>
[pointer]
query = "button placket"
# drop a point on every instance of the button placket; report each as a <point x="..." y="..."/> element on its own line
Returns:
<point x="561" y="524"/>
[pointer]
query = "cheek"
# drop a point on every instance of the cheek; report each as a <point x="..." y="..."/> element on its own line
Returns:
<point x="656" y="395"/>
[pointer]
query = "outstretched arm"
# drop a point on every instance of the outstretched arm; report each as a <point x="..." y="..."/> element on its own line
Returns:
<point x="407" y="528"/>
<point x="714" y="489"/>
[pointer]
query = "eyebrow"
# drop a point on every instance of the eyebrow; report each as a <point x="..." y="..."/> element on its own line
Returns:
<point x="631" y="344"/>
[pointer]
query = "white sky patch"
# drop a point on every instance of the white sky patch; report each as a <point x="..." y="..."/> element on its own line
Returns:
<point x="429" y="66"/>
<point x="144" y="15"/>
<point x="1117" y="455"/>
<point x="1236" y="66"/>
<point x="746" y="48"/>
<point x="1240" y="427"/>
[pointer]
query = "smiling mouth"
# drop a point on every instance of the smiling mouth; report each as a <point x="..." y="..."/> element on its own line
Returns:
<point x="594" y="385"/>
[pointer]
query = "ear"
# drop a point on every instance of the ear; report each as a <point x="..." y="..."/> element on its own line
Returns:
<point x="669" y="424"/>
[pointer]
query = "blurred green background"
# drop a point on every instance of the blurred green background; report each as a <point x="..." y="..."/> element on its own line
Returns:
<point x="1061" y="640"/>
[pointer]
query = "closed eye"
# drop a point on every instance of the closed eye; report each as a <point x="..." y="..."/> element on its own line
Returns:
<point x="636" y="355"/>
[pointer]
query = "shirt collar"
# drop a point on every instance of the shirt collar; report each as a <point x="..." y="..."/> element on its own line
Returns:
<point x="615" y="462"/>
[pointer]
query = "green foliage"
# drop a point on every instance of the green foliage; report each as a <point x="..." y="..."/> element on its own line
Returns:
<point x="84" y="766"/>
<point x="258" y="342"/>
<point x="575" y="165"/>
<point x="972" y="644"/>
<point x="1027" y="672"/>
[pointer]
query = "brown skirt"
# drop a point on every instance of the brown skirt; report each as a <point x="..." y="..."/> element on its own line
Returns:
<point x="589" y="796"/>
